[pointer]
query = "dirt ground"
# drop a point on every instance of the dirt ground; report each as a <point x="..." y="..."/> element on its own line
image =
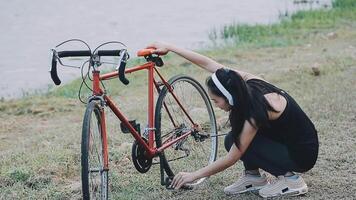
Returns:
<point x="40" y="136"/>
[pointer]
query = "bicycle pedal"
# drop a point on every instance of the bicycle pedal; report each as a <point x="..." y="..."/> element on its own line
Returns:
<point x="133" y="123"/>
<point x="168" y="182"/>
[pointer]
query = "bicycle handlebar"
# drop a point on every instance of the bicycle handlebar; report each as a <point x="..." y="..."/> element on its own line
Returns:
<point x="53" y="71"/>
<point x="109" y="52"/>
<point x="63" y="54"/>
<point x="121" y="68"/>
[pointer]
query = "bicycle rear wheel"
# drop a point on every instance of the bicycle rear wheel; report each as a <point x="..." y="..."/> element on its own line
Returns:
<point x="94" y="177"/>
<point x="197" y="150"/>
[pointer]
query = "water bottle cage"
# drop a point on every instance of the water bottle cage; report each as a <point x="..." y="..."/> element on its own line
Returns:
<point x="133" y="123"/>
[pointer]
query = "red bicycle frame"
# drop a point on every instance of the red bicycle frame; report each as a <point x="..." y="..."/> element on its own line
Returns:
<point x="150" y="149"/>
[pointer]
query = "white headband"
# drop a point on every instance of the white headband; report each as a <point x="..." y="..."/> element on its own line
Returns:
<point x="222" y="89"/>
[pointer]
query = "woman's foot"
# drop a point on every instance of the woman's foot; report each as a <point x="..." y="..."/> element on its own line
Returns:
<point x="285" y="185"/>
<point x="247" y="182"/>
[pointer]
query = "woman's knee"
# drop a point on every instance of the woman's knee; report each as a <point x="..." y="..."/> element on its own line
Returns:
<point x="229" y="141"/>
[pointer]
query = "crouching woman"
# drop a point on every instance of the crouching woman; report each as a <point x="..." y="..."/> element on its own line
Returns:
<point x="269" y="131"/>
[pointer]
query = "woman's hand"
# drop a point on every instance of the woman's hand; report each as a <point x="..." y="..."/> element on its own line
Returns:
<point x="160" y="48"/>
<point x="182" y="178"/>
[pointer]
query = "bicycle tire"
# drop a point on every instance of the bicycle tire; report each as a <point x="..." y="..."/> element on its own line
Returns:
<point x="200" y="110"/>
<point x="94" y="177"/>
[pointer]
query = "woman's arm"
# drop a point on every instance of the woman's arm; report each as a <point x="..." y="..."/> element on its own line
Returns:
<point x="247" y="134"/>
<point x="198" y="59"/>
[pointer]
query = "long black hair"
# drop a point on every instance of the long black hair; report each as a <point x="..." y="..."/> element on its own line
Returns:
<point x="249" y="102"/>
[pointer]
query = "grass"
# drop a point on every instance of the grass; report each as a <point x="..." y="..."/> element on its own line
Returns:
<point x="291" y="30"/>
<point x="40" y="135"/>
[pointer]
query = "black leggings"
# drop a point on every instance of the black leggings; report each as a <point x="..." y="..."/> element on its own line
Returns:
<point x="267" y="154"/>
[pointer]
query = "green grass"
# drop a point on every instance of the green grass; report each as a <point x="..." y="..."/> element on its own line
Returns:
<point x="291" y="30"/>
<point x="344" y="4"/>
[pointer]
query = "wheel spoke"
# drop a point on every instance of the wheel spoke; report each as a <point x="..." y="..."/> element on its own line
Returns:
<point x="186" y="154"/>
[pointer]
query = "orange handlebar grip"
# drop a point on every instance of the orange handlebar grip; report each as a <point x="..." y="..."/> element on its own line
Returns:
<point x="145" y="52"/>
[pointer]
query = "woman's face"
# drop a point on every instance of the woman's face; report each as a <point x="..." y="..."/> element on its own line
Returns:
<point x="220" y="102"/>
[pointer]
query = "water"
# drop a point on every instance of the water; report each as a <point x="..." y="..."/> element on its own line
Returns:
<point x="30" y="28"/>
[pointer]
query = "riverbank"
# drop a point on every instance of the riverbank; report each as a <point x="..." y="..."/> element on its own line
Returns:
<point x="40" y="135"/>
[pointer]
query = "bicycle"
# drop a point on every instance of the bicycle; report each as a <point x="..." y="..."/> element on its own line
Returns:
<point x="181" y="127"/>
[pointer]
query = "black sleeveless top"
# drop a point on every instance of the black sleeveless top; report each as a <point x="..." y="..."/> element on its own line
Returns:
<point x="293" y="128"/>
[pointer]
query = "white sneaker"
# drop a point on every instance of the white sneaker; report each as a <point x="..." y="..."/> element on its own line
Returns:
<point x="284" y="186"/>
<point x="246" y="183"/>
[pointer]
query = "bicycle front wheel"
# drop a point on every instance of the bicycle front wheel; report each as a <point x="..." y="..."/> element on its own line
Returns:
<point x="94" y="177"/>
<point x="172" y="119"/>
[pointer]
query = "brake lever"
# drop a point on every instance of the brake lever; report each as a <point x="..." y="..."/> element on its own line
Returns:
<point x="55" y="54"/>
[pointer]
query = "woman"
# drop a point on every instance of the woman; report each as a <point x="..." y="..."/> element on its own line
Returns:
<point x="269" y="130"/>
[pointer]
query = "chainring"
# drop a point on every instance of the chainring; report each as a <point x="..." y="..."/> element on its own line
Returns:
<point x="139" y="159"/>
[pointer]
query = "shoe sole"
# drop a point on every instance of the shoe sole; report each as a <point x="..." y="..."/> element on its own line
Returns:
<point x="251" y="189"/>
<point x="292" y="192"/>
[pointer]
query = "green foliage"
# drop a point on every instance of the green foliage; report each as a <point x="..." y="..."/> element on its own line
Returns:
<point x="19" y="175"/>
<point x="289" y="30"/>
<point x="347" y="4"/>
